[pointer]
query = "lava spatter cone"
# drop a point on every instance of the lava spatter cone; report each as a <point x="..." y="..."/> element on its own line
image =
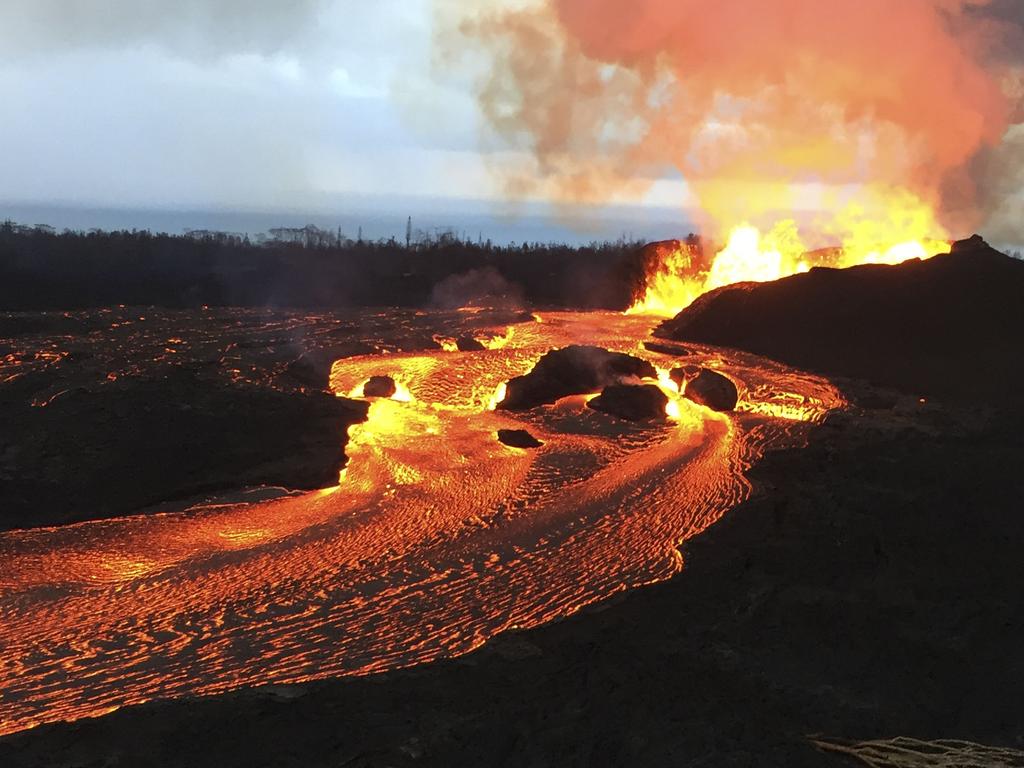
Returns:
<point x="917" y="327"/>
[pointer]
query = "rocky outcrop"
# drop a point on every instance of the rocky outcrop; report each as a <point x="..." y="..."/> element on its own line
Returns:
<point x="712" y="389"/>
<point x="574" y="370"/>
<point x="918" y="327"/>
<point x="631" y="402"/>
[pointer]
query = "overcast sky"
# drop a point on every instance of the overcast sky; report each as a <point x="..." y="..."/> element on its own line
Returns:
<point x="269" y="104"/>
<point x="273" y="105"/>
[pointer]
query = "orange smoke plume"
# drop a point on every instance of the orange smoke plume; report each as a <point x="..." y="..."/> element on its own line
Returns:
<point x="763" y="108"/>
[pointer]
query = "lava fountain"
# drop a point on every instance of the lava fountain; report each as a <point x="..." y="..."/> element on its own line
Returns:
<point x="795" y="134"/>
<point x="675" y="276"/>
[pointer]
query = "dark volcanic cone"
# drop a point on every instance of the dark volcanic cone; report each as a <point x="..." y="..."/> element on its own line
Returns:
<point x="950" y="326"/>
<point x="575" y="370"/>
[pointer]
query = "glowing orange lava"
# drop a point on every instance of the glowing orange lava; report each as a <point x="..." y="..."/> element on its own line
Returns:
<point x="436" y="539"/>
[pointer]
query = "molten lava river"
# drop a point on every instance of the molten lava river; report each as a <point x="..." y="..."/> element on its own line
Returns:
<point x="437" y="537"/>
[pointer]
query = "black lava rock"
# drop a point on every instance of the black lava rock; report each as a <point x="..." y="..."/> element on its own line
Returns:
<point x="574" y="370"/>
<point x="683" y="374"/>
<point x="468" y="344"/>
<point x="518" y="438"/>
<point x="712" y="389"/>
<point x="379" y="386"/>
<point x="165" y="438"/>
<point x="631" y="402"/>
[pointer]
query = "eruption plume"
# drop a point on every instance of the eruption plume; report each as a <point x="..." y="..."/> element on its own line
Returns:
<point x="855" y="117"/>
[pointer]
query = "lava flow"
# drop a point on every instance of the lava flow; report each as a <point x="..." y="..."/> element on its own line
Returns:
<point x="437" y="537"/>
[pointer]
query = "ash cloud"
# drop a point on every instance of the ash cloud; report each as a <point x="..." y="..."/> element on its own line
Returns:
<point x="997" y="177"/>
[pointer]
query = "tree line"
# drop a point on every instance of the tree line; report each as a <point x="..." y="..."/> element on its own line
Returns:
<point x="41" y="268"/>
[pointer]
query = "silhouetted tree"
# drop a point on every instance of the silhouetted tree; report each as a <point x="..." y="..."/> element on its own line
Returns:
<point x="294" y="266"/>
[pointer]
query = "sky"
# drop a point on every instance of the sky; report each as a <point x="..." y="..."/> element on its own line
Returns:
<point x="270" y="105"/>
<point x="300" y="106"/>
<point x="247" y="104"/>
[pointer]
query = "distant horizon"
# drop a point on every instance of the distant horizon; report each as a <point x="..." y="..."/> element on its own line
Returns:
<point x="471" y="219"/>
